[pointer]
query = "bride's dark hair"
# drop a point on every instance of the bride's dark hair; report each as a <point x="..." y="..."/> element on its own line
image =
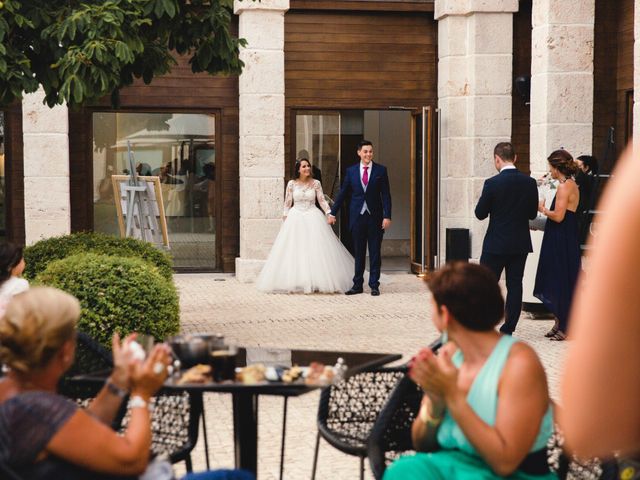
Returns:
<point x="296" y="168"/>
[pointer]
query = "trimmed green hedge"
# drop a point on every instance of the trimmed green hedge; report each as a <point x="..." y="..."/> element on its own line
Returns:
<point x="116" y="294"/>
<point x="38" y="256"/>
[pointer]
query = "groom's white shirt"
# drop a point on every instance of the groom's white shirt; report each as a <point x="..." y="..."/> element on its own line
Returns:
<point x="364" y="187"/>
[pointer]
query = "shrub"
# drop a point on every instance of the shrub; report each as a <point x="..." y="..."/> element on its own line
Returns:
<point x="116" y="294"/>
<point x="40" y="254"/>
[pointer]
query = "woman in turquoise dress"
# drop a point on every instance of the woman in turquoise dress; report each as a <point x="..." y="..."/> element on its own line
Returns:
<point x="486" y="412"/>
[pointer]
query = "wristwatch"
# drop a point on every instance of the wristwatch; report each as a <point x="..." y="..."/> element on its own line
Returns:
<point x="137" y="402"/>
<point x="113" y="389"/>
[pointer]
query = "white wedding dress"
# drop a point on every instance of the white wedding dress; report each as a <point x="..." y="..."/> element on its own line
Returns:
<point x="306" y="255"/>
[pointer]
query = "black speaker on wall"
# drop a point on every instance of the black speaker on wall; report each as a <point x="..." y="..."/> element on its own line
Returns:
<point x="458" y="244"/>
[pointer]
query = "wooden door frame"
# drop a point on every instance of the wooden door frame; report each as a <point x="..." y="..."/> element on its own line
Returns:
<point x="430" y="186"/>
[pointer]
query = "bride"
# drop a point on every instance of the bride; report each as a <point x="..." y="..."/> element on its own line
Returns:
<point x="306" y="255"/>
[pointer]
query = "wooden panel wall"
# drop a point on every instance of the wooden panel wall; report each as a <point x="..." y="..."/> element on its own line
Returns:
<point x="358" y="60"/>
<point x="14" y="174"/>
<point x="179" y="91"/>
<point x="521" y="113"/>
<point x="613" y="75"/>
<point x="625" y="70"/>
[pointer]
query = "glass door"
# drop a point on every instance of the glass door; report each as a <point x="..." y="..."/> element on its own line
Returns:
<point x="317" y="138"/>
<point x="422" y="192"/>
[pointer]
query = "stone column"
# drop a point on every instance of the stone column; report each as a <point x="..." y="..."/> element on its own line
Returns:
<point x="636" y="76"/>
<point x="261" y="131"/>
<point x="47" y="209"/>
<point x="561" y="79"/>
<point x="475" y="43"/>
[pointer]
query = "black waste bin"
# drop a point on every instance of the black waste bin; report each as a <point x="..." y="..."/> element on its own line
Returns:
<point x="458" y="246"/>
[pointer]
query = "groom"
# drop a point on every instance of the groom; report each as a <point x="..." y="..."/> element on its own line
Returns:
<point x="369" y="214"/>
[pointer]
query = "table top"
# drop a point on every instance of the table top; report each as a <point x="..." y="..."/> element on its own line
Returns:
<point x="355" y="361"/>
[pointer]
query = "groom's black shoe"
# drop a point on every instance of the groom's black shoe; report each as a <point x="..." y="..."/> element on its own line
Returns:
<point x="353" y="291"/>
<point x="375" y="292"/>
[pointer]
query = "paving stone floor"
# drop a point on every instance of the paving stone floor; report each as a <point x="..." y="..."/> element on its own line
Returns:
<point x="396" y="321"/>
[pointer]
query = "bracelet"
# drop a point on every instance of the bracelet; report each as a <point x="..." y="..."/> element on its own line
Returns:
<point x="137" y="402"/>
<point x="113" y="389"/>
<point x="427" y="419"/>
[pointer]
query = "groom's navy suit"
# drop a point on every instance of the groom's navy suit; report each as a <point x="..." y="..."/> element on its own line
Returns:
<point x="366" y="227"/>
<point x="510" y="200"/>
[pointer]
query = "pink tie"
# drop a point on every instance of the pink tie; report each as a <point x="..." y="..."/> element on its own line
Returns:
<point x="365" y="176"/>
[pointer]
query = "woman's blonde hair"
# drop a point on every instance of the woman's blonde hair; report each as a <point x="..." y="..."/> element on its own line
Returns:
<point x="35" y="326"/>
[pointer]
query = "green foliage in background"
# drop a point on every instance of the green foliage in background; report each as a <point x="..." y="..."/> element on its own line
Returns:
<point x="38" y="256"/>
<point x="83" y="50"/>
<point x="116" y="294"/>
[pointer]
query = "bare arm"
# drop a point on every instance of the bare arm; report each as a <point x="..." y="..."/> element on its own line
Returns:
<point x="87" y="442"/>
<point x="521" y="406"/>
<point x="520" y="409"/>
<point x="424" y="434"/>
<point x="560" y="208"/>
<point x="601" y="382"/>
<point x="107" y="403"/>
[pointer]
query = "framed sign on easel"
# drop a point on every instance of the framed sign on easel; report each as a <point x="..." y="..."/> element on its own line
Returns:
<point x="140" y="208"/>
<point x="139" y="205"/>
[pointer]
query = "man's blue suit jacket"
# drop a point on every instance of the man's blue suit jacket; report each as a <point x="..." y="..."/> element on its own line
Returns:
<point x="510" y="199"/>
<point x="377" y="195"/>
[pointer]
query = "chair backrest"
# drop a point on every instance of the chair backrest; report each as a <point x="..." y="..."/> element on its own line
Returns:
<point x="174" y="421"/>
<point x="349" y="408"/>
<point x="391" y="436"/>
<point x="6" y="473"/>
<point x="90" y="357"/>
<point x="174" y="424"/>
<point x="391" y="433"/>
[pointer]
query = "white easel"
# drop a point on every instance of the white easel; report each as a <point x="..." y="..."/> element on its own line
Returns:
<point x="140" y="202"/>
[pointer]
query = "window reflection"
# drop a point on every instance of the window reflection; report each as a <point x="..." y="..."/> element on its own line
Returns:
<point x="3" y="203"/>
<point x="178" y="148"/>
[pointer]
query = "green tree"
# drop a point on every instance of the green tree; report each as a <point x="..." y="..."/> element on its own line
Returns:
<point x="83" y="50"/>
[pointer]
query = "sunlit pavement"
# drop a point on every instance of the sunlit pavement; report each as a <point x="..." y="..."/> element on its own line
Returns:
<point x="397" y="321"/>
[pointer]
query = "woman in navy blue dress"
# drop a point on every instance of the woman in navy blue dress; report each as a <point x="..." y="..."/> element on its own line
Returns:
<point x="559" y="263"/>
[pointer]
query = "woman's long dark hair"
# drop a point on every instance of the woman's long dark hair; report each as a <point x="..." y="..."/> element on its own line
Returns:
<point x="10" y="256"/>
<point x="296" y="168"/>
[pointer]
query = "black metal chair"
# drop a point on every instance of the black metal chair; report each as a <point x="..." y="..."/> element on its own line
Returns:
<point x="6" y="473"/>
<point x="175" y="416"/>
<point x="391" y="436"/>
<point x="349" y="408"/>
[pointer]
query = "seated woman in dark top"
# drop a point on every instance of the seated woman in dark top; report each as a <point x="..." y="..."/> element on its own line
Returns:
<point x="44" y="435"/>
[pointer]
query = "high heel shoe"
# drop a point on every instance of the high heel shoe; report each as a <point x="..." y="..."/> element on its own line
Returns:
<point x="552" y="332"/>
<point x="559" y="336"/>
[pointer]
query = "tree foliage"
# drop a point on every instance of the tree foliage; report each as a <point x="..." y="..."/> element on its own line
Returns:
<point x="83" y="50"/>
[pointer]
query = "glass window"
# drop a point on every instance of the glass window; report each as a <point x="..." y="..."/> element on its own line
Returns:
<point x="180" y="149"/>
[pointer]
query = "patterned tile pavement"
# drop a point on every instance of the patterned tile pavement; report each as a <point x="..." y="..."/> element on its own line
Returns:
<point x="397" y="321"/>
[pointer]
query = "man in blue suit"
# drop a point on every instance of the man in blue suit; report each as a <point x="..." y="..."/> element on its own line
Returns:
<point x="369" y="214"/>
<point x="510" y="200"/>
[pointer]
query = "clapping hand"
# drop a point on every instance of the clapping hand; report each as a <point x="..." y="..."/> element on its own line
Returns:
<point x="123" y="361"/>
<point x="147" y="377"/>
<point x="436" y="374"/>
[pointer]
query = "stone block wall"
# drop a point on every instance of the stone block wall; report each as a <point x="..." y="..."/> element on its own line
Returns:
<point x="475" y="43"/>
<point x="46" y="169"/>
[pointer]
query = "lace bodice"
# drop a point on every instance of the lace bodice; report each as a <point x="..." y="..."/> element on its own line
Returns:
<point x="303" y="196"/>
